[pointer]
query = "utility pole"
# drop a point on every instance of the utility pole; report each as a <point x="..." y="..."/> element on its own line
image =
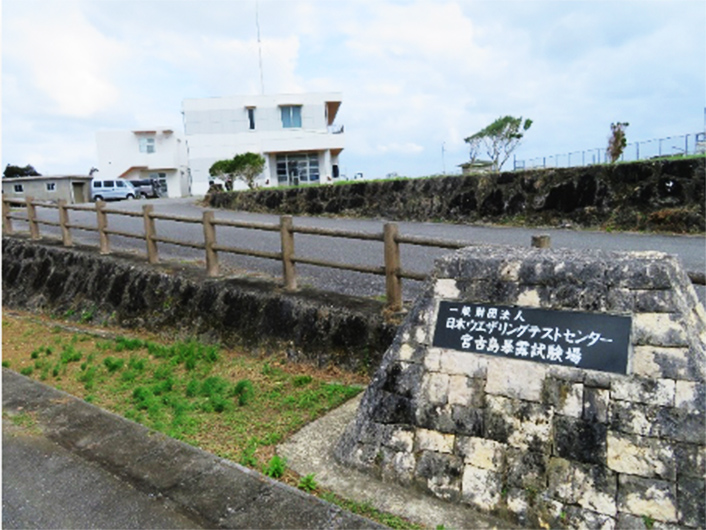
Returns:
<point x="259" y="45"/>
<point x="443" y="159"/>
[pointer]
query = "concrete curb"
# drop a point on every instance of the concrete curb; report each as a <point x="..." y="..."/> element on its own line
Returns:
<point x="217" y="492"/>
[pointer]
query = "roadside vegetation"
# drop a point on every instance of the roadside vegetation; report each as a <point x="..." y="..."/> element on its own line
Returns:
<point x="228" y="403"/>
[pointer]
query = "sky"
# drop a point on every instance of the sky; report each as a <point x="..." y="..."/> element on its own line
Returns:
<point x="416" y="76"/>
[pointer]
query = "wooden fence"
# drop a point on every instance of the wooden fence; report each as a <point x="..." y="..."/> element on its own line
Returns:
<point x="390" y="237"/>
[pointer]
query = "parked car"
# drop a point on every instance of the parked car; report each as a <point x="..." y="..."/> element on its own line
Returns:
<point x="147" y="189"/>
<point x="108" y="190"/>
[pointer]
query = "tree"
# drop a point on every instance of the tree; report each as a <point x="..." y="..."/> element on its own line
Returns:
<point x="616" y="140"/>
<point x="18" y="171"/>
<point x="245" y="167"/>
<point x="500" y="138"/>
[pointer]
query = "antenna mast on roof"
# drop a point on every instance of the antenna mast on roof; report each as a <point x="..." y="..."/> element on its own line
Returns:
<point x="259" y="45"/>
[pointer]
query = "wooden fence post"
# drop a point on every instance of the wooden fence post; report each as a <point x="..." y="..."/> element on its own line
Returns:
<point x="287" y="238"/>
<point x="150" y="233"/>
<point x="6" y="219"/>
<point x="393" y="283"/>
<point x="209" y="236"/>
<point x="32" y="218"/>
<point x="541" y="241"/>
<point x="64" y="222"/>
<point x="102" y="218"/>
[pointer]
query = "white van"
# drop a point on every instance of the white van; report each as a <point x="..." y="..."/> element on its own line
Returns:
<point x="115" y="189"/>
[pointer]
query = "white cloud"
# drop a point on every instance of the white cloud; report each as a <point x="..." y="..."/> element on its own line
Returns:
<point x="69" y="61"/>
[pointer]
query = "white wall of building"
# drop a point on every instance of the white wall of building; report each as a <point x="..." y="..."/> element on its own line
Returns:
<point x="220" y="128"/>
<point x="143" y="154"/>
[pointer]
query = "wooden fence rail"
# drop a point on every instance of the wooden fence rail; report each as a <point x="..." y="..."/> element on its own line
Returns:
<point x="390" y="238"/>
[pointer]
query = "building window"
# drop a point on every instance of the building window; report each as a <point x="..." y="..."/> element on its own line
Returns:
<point x="146" y="144"/>
<point x="19" y="188"/>
<point x="251" y="118"/>
<point x="51" y="186"/>
<point x="160" y="179"/>
<point x="297" y="169"/>
<point x="291" y="116"/>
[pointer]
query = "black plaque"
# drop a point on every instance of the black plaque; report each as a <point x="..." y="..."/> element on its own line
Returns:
<point x="580" y="340"/>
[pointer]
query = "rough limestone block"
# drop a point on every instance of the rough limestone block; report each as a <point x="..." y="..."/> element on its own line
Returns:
<point x="587" y="520"/>
<point x="636" y="455"/>
<point x="398" y="467"/>
<point x="435" y="388"/>
<point x="463" y="391"/>
<point x="520" y="424"/>
<point x="440" y="474"/>
<point x="529" y="298"/>
<point x="446" y="289"/>
<point x="691" y="493"/>
<point x="526" y="469"/>
<point x="595" y="404"/>
<point x="400" y="439"/>
<point x="436" y="417"/>
<point x="690" y="396"/>
<point x="635" y="418"/>
<point x="651" y="301"/>
<point x="432" y="360"/>
<point x="579" y="440"/>
<point x="515" y="379"/>
<point x="682" y="425"/>
<point x="596" y="488"/>
<point x="481" y="452"/>
<point x="561" y="480"/>
<point x="481" y="488"/>
<point x="566" y="397"/>
<point x="405" y="353"/>
<point x="648" y="497"/>
<point x="690" y="460"/>
<point x="462" y="363"/>
<point x="426" y="440"/>
<point x="658" y="329"/>
<point x="517" y="502"/>
<point x="510" y="272"/>
<point x="662" y="363"/>
<point x="649" y="391"/>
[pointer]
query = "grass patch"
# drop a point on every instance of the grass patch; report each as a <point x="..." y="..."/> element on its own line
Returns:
<point x="227" y="403"/>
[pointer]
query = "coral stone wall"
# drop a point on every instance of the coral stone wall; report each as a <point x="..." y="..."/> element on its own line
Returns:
<point x="540" y="444"/>
<point x="182" y="302"/>
<point x="651" y="195"/>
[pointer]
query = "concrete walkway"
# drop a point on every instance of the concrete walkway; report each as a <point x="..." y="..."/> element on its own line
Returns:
<point x="195" y="488"/>
<point x="46" y="486"/>
<point x="310" y="451"/>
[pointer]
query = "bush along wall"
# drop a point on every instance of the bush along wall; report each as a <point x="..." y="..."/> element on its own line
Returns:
<point x="660" y="195"/>
<point x="324" y="328"/>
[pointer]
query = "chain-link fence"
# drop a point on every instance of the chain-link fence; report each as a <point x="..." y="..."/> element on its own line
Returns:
<point x="684" y="144"/>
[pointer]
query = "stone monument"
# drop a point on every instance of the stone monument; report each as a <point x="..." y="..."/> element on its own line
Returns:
<point x="553" y="388"/>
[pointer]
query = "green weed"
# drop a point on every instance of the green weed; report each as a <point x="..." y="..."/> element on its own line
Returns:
<point x="113" y="365"/>
<point x="244" y="390"/>
<point x="302" y="380"/>
<point x="87" y="315"/>
<point x="307" y="483"/>
<point x="275" y="467"/>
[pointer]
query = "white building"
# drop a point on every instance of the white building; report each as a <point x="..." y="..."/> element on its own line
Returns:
<point x="156" y="153"/>
<point x="294" y="132"/>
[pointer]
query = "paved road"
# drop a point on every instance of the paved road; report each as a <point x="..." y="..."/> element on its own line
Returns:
<point x="691" y="249"/>
<point x="46" y="486"/>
